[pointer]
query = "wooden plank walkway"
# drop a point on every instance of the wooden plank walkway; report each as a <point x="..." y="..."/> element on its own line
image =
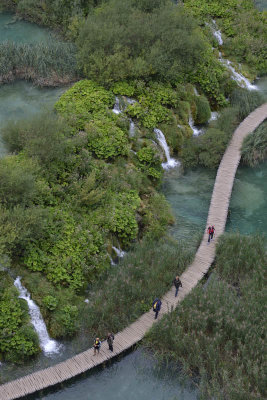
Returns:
<point x="135" y="332"/>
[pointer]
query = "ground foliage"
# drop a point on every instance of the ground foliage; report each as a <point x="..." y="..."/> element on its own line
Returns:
<point x="218" y="331"/>
<point x="208" y="149"/>
<point x="243" y="27"/>
<point x="254" y="148"/>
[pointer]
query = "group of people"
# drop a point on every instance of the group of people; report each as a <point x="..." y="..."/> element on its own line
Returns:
<point x="156" y="306"/>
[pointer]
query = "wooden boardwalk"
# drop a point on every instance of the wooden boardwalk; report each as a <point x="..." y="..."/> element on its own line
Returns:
<point x="135" y="332"/>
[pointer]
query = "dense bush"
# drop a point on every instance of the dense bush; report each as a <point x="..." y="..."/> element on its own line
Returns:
<point x="243" y="27"/>
<point x="254" y="148"/>
<point x="219" y="329"/>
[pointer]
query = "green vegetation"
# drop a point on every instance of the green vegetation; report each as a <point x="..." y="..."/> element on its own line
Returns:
<point x="243" y="26"/>
<point x="254" y="148"/>
<point x="18" y="340"/>
<point x="208" y="149"/>
<point x="145" y="273"/>
<point x="50" y="64"/>
<point x="218" y="331"/>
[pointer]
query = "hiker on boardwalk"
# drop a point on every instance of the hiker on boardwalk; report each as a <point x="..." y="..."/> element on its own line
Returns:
<point x="209" y="230"/>
<point x="212" y="231"/>
<point x="110" y="339"/>
<point x="156" y="306"/>
<point x="97" y="344"/>
<point x="177" y="283"/>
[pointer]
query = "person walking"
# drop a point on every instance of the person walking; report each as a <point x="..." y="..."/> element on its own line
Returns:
<point x="156" y="306"/>
<point x="177" y="283"/>
<point x="110" y="339"/>
<point x="210" y="234"/>
<point x="212" y="231"/>
<point x="97" y="344"/>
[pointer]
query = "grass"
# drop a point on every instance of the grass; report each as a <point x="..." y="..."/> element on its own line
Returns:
<point x="254" y="148"/>
<point x="48" y="64"/>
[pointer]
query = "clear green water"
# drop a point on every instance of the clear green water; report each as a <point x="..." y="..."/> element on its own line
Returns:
<point x="134" y="377"/>
<point x="21" y="31"/>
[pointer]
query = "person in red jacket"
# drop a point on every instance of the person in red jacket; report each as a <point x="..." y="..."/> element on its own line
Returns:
<point x="210" y="234"/>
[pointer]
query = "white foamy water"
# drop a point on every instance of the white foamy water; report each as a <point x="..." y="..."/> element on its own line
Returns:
<point x="111" y="260"/>
<point x="116" y="109"/>
<point x="132" y="128"/>
<point x="214" y="115"/>
<point x="119" y="252"/>
<point x="48" y="345"/>
<point x="196" y="131"/>
<point x="217" y="33"/>
<point x="236" y="76"/>
<point x="171" y="162"/>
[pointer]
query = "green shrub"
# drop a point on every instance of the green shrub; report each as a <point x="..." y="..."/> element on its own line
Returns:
<point x="149" y="162"/>
<point x="106" y="139"/>
<point x="82" y="101"/>
<point x="50" y="302"/>
<point x="203" y="112"/>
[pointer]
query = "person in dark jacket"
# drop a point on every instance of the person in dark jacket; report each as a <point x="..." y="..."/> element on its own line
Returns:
<point x="177" y="283"/>
<point x="156" y="306"/>
<point x="110" y="339"/>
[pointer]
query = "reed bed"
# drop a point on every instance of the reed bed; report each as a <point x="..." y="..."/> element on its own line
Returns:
<point x="46" y="64"/>
<point x="218" y="331"/>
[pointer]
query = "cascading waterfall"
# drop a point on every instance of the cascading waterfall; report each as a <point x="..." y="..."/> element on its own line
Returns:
<point x="217" y="33"/>
<point x="196" y="131"/>
<point x="171" y="162"/>
<point x="236" y="76"/>
<point x="48" y="345"/>
<point x="132" y="128"/>
<point x="120" y="253"/>
<point x="116" y="109"/>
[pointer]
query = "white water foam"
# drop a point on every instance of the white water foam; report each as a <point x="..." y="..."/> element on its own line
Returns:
<point x="171" y="162"/>
<point x="119" y="252"/>
<point x="214" y="115"/>
<point x="132" y="128"/>
<point x="217" y="33"/>
<point x="48" y="345"/>
<point x="116" y="109"/>
<point x="196" y="131"/>
<point x="111" y="260"/>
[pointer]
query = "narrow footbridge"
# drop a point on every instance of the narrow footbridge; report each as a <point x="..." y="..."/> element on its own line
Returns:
<point x="203" y="259"/>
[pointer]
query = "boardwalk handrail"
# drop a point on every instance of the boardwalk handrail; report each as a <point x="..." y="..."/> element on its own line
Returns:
<point x="204" y="257"/>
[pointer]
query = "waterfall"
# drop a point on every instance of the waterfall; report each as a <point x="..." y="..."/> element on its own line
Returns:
<point x="214" y="116"/>
<point x="119" y="252"/>
<point x="132" y="128"/>
<point x="48" y="345"/>
<point x="116" y="108"/>
<point x="236" y="76"/>
<point x="111" y="260"/>
<point x="217" y="33"/>
<point x="171" y="162"/>
<point x="196" y="131"/>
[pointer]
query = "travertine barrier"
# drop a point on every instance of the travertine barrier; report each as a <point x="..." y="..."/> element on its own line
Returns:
<point x="204" y="257"/>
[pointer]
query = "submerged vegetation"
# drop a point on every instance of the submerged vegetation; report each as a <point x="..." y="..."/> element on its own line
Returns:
<point x="218" y="331"/>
